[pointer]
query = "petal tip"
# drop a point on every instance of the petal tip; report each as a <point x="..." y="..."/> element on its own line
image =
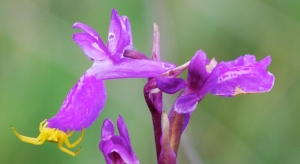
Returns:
<point x="78" y="25"/>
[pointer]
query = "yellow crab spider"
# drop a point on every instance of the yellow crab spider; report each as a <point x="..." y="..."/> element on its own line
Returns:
<point x="52" y="135"/>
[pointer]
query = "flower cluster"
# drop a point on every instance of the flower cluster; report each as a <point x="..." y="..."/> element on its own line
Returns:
<point x="116" y="60"/>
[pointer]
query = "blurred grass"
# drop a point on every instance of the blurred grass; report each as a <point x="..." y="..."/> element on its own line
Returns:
<point x="39" y="63"/>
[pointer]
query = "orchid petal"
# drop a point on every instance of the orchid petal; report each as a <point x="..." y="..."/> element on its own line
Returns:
<point x="123" y="129"/>
<point x="87" y="29"/>
<point x="117" y="145"/>
<point x="118" y="36"/>
<point x="170" y="85"/>
<point x="128" y="30"/>
<point x="90" y="42"/>
<point x="242" y="79"/>
<point x="129" y="68"/>
<point x="90" y="46"/>
<point x="264" y="63"/>
<point x="107" y="129"/>
<point x="82" y="105"/>
<point x="198" y="70"/>
<point x="202" y="77"/>
<point x="186" y="104"/>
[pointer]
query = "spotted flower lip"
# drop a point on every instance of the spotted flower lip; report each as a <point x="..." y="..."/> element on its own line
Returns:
<point x="240" y="76"/>
<point x="87" y="98"/>
<point x="116" y="148"/>
<point x="244" y="75"/>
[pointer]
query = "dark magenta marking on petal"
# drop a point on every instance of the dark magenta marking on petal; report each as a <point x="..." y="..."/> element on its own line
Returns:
<point x="242" y="78"/>
<point x="168" y="66"/>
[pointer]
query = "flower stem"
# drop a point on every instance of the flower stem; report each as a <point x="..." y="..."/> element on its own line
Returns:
<point x="176" y="123"/>
<point x="154" y="106"/>
<point x="167" y="156"/>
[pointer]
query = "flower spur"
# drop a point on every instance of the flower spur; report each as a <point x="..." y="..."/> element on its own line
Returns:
<point x="52" y="135"/>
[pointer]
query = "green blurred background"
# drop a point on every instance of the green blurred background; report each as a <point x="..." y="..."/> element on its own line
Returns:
<point x="39" y="63"/>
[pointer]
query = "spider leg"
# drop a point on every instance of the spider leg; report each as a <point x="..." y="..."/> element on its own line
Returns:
<point x="41" y="125"/>
<point x="60" y="146"/>
<point x="36" y="141"/>
<point x="76" y="142"/>
<point x="70" y="133"/>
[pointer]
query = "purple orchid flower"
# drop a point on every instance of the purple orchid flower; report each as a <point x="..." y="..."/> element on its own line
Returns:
<point x="241" y="76"/>
<point x="116" y="149"/>
<point x="87" y="98"/>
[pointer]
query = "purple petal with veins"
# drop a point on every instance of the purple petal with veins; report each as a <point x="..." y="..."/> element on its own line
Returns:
<point x="246" y="76"/>
<point x="82" y="105"/>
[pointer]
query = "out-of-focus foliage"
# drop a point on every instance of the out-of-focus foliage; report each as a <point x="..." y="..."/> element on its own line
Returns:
<point x="39" y="63"/>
